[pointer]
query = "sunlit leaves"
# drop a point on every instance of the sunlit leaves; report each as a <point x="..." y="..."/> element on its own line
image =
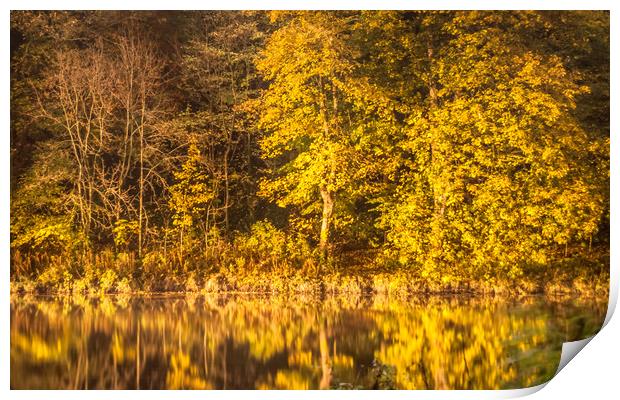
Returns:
<point x="192" y="194"/>
<point x="501" y="160"/>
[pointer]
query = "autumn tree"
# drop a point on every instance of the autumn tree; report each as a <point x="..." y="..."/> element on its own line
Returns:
<point x="191" y="197"/>
<point x="499" y="168"/>
<point x="307" y="112"/>
<point x="218" y="78"/>
<point x="105" y="104"/>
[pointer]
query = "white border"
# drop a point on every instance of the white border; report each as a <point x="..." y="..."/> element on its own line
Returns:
<point x="593" y="372"/>
<point x="317" y="4"/>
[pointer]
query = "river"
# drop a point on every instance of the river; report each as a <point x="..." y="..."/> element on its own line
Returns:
<point x="296" y="342"/>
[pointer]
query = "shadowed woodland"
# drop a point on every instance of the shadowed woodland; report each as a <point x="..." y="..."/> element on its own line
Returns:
<point x="310" y="151"/>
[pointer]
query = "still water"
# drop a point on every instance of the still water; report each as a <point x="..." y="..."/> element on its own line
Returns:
<point x="241" y="342"/>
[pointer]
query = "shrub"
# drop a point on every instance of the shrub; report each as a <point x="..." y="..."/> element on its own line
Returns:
<point x="154" y="263"/>
<point x="191" y="284"/>
<point x="50" y="278"/>
<point x="81" y="285"/>
<point x="123" y="286"/>
<point x="107" y="281"/>
<point x="50" y="239"/>
<point x="265" y="242"/>
<point x="124" y="231"/>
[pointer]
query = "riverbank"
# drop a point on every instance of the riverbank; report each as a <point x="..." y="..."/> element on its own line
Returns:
<point x="580" y="276"/>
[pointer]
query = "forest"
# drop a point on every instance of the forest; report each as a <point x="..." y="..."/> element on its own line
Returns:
<point x="310" y="151"/>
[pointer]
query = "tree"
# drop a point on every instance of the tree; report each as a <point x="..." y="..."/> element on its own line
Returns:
<point x="500" y="170"/>
<point x="191" y="197"/>
<point x="41" y="222"/>
<point x="306" y="111"/>
<point x="218" y="79"/>
<point x="105" y="103"/>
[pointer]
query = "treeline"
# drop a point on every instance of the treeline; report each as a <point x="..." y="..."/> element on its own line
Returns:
<point x="447" y="146"/>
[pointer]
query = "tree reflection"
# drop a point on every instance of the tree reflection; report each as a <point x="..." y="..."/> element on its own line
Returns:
<point x="275" y="343"/>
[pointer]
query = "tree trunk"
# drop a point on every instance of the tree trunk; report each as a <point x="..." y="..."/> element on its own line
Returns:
<point x="207" y="233"/>
<point x="143" y="94"/>
<point x="141" y="194"/>
<point x="226" y="186"/>
<point x="326" y="225"/>
<point x="181" y="248"/>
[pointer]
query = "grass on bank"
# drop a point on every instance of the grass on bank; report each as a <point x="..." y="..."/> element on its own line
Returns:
<point x="120" y="273"/>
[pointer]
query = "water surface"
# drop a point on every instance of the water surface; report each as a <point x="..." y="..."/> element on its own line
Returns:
<point x="242" y="342"/>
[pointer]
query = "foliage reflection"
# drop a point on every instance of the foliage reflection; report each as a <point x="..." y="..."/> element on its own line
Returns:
<point x="281" y="343"/>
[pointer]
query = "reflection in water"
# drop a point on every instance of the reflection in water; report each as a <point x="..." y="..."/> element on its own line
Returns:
<point x="285" y="343"/>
